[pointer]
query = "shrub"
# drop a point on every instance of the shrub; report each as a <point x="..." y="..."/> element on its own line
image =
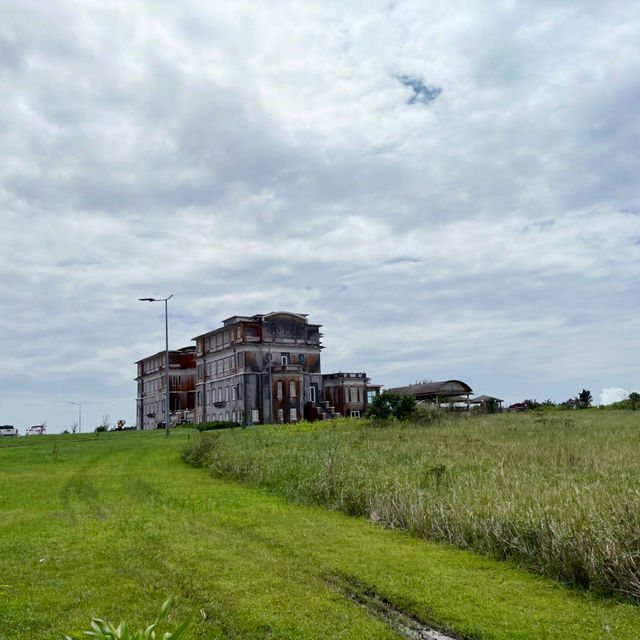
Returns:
<point x="426" y="414"/>
<point x="387" y="406"/>
<point x="199" y="453"/>
<point x="217" y="424"/>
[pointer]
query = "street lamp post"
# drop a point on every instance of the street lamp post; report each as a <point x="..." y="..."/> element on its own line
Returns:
<point x="166" y="356"/>
<point x="79" y="415"/>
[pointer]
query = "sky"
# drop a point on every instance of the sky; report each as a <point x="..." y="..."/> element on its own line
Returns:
<point x="450" y="189"/>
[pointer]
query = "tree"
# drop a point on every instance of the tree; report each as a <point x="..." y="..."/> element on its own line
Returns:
<point x="571" y="403"/>
<point x="584" y="399"/>
<point x="634" y="400"/>
<point x="387" y="406"/>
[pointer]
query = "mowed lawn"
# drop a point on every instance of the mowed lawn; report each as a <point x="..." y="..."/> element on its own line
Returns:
<point x="109" y="526"/>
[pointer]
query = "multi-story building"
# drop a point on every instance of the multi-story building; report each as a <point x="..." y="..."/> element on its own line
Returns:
<point x="262" y="368"/>
<point x="256" y="369"/>
<point x="266" y="368"/>
<point x="150" y="409"/>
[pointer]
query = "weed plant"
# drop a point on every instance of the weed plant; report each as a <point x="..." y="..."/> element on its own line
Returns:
<point x="557" y="494"/>
<point x="101" y="630"/>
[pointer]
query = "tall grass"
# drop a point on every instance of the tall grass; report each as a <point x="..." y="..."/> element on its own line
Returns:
<point x="557" y="494"/>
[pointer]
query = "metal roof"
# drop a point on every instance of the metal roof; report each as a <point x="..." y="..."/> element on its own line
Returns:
<point x="432" y="389"/>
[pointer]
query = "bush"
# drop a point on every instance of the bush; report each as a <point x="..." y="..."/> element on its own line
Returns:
<point x="427" y="414"/>
<point x="387" y="406"/>
<point x="199" y="454"/>
<point x="217" y="424"/>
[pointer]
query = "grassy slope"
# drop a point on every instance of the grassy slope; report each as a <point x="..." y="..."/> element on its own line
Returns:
<point x="109" y="526"/>
<point x="557" y="492"/>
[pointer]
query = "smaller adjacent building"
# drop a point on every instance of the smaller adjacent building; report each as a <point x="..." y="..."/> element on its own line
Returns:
<point x="486" y="403"/>
<point x="348" y="394"/>
<point x="151" y="379"/>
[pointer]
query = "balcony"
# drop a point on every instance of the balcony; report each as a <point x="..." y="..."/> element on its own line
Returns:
<point x="287" y="368"/>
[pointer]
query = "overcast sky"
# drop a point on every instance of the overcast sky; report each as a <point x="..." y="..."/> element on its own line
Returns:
<point x="450" y="189"/>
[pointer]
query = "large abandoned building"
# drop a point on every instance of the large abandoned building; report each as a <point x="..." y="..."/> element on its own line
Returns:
<point x="259" y="369"/>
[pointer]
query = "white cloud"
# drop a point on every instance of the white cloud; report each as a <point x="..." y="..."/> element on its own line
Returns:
<point x="249" y="157"/>
<point x="609" y="395"/>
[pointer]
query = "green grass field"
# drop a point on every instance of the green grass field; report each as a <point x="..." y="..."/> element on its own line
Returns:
<point x="555" y="492"/>
<point x="109" y="526"/>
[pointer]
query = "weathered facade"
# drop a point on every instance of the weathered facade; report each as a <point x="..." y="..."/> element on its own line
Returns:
<point x="151" y="379"/>
<point x="255" y="369"/>
<point x="348" y="393"/>
<point x="266" y="368"/>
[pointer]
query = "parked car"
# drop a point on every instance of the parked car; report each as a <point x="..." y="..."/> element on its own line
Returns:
<point x="8" y="430"/>
<point x="36" y="430"/>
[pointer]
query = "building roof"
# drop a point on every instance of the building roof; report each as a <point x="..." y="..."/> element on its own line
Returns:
<point x="481" y="399"/>
<point x="182" y="350"/>
<point x="433" y="389"/>
<point x="258" y="317"/>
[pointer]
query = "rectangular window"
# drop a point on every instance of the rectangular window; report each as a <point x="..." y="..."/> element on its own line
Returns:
<point x="354" y="414"/>
<point x="281" y="415"/>
<point x="199" y="371"/>
<point x="255" y="416"/>
<point x="359" y="394"/>
<point x="354" y="394"/>
<point x="292" y="388"/>
<point x="293" y="414"/>
<point x="285" y="358"/>
<point x="312" y="394"/>
<point x="233" y="392"/>
<point x="240" y="359"/>
<point x="199" y="398"/>
<point x="226" y="394"/>
<point x="371" y="394"/>
<point x="239" y="390"/>
<point x="279" y="388"/>
<point x="238" y="332"/>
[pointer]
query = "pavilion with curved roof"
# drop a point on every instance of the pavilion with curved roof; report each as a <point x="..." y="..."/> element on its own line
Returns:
<point x="437" y="392"/>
